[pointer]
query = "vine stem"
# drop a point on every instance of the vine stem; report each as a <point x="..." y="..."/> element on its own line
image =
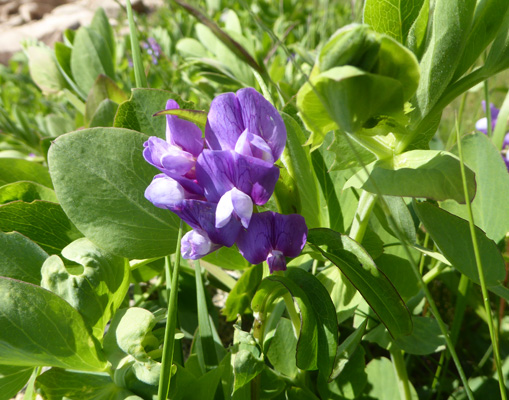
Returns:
<point x="480" y="270"/>
<point x="171" y="322"/>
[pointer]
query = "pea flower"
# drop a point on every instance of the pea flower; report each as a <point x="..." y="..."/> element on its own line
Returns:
<point x="482" y="126"/>
<point x="235" y="182"/>
<point x="272" y="237"/>
<point x="247" y="123"/>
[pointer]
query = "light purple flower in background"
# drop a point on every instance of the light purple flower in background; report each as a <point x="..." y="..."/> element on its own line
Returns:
<point x="482" y="124"/>
<point x="272" y="237"/>
<point x="247" y="123"/>
<point x="196" y="244"/>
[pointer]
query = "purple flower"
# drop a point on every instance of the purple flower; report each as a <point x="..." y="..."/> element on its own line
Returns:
<point x="235" y="181"/>
<point x="247" y="123"/>
<point x="176" y="156"/>
<point x="482" y="124"/>
<point x="272" y="237"/>
<point x="196" y="244"/>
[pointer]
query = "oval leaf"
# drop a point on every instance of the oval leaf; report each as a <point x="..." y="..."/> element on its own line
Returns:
<point x="40" y="328"/>
<point x="100" y="178"/>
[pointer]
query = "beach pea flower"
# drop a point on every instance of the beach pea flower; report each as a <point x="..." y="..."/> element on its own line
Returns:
<point x="235" y="182"/>
<point x="247" y="123"/>
<point x="196" y="244"/>
<point x="272" y="237"/>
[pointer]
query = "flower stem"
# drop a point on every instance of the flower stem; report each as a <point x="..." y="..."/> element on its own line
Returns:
<point x="171" y="322"/>
<point x="488" y="109"/>
<point x="401" y="375"/>
<point x="480" y="270"/>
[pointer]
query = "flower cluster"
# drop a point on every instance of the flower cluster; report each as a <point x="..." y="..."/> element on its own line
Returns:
<point x="482" y="126"/>
<point x="215" y="184"/>
<point x="152" y="48"/>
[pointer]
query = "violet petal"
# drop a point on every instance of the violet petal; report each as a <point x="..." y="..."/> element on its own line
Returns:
<point x="196" y="244"/>
<point x="182" y="133"/>
<point x="255" y="243"/>
<point x="165" y="192"/>
<point x="290" y="234"/>
<point x="224" y="122"/>
<point x="261" y="118"/>
<point x="234" y="202"/>
<point x="254" y="146"/>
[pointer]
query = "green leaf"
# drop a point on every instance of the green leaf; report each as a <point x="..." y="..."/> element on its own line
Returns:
<point x="101" y="25"/>
<point x="90" y="58"/>
<point x="349" y="112"/>
<point x="418" y="173"/>
<point x="426" y="337"/>
<point x="127" y="343"/>
<point x="452" y="236"/>
<point x="102" y="190"/>
<point x="138" y="112"/>
<point x="498" y="57"/>
<point x="63" y="55"/>
<point x="347" y="349"/>
<point x="57" y="384"/>
<point x="44" y="69"/>
<point x="104" y="115"/>
<point x="20" y="258"/>
<point x="399" y="271"/>
<point x="40" y="328"/>
<point x="26" y="191"/>
<point x="197" y="117"/>
<point x="392" y="17"/>
<point x="351" y="381"/>
<point x="382" y="381"/>
<point x="225" y="39"/>
<point x="297" y="161"/>
<point x="104" y="88"/>
<point x="43" y="222"/>
<point x="12" y="380"/>
<point x="360" y="269"/>
<point x="416" y="38"/>
<point x="349" y="153"/>
<point x="247" y="359"/>
<point x="492" y="187"/>
<point x="400" y="216"/>
<point x="487" y="22"/>
<point x="58" y="124"/>
<point x="343" y="294"/>
<point x="318" y="338"/>
<point x="450" y="28"/>
<point x="239" y="299"/>
<point x="96" y="290"/>
<point x="227" y="258"/>
<point x="15" y="169"/>
<point x="282" y="349"/>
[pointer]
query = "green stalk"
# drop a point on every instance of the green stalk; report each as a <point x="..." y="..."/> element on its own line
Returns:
<point x="361" y="219"/>
<point x="401" y="375"/>
<point x="290" y="307"/>
<point x="480" y="270"/>
<point x="139" y="73"/>
<point x="488" y="108"/>
<point x="171" y="322"/>
<point x="205" y="331"/>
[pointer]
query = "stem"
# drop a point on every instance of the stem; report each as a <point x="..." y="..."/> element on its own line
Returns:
<point x="139" y="73"/>
<point x="480" y="270"/>
<point x="171" y="322"/>
<point x="290" y="307"/>
<point x="400" y="368"/>
<point x="488" y="108"/>
<point x="360" y="221"/>
<point x="423" y="259"/>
